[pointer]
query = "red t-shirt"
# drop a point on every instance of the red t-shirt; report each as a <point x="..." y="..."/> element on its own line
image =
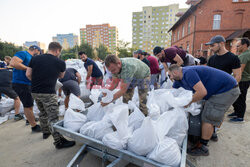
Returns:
<point x="154" y="65"/>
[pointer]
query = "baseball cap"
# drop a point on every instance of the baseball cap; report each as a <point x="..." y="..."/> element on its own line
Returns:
<point x="216" y="39"/>
<point x="35" y="47"/>
<point x="157" y="50"/>
<point x="139" y="51"/>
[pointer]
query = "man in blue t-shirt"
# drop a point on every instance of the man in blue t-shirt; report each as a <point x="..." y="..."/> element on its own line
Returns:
<point x="94" y="74"/>
<point x="216" y="87"/>
<point x="22" y="85"/>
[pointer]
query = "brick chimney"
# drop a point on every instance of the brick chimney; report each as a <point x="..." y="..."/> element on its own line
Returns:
<point x="192" y="2"/>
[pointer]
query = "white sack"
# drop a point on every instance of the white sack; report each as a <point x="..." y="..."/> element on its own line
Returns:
<point x="143" y="139"/>
<point x="194" y="109"/>
<point x="136" y="118"/>
<point x="76" y="103"/>
<point x="96" y="130"/>
<point x="109" y="96"/>
<point x="84" y="91"/>
<point x="179" y="97"/>
<point x="73" y="120"/>
<point x="95" y="93"/>
<point x="166" y="152"/>
<point x="95" y="112"/>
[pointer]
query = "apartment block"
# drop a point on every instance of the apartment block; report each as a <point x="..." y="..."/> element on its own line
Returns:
<point x="95" y="35"/>
<point x="66" y="40"/>
<point x="151" y="25"/>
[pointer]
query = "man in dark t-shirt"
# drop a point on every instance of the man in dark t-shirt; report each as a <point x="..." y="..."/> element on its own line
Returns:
<point x="43" y="71"/>
<point x="94" y="74"/>
<point x="142" y="57"/>
<point x="223" y="59"/>
<point x="70" y="81"/>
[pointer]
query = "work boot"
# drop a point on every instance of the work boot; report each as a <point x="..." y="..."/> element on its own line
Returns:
<point x="64" y="143"/>
<point x="46" y="135"/>
<point x="199" y="151"/>
<point x="36" y="128"/>
<point x="18" y="117"/>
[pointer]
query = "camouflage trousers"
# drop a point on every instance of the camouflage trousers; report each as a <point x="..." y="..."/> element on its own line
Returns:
<point x="142" y="91"/>
<point x="48" y="106"/>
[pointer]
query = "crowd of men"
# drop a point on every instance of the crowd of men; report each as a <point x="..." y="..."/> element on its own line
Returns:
<point x="220" y="81"/>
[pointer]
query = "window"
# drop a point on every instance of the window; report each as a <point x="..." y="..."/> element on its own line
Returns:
<point x="178" y="35"/>
<point x="216" y="23"/>
<point x="188" y="47"/>
<point x="189" y="27"/>
<point x="183" y="31"/>
<point x="235" y="0"/>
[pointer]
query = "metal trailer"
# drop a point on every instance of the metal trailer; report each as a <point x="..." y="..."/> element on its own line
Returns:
<point x="118" y="158"/>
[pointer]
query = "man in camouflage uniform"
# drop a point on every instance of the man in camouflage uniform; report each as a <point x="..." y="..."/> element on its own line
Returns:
<point x="43" y="72"/>
<point x="130" y="72"/>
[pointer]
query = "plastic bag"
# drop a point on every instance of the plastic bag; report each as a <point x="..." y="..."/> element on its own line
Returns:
<point x="76" y="103"/>
<point x="144" y="139"/>
<point x="6" y="105"/>
<point x="96" y="130"/>
<point x="109" y="97"/>
<point x="153" y="109"/>
<point x="95" y="112"/>
<point x="136" y="118"/>
<point x="73" y="120"/>
<point x="61" y="110"/>
<point x="58" y="85"/>
<point x="167" y="152"/>
<point x="84" y="91"/>
<point x="95" y="93"/>
<point x="179" y="97"/>
<point x="194" y="109"/>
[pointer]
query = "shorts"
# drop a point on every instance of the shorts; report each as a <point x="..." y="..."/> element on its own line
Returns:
<point x="24" y="93"/>
<point x="8" y="91"/>
<point x="71" y="86"/>
<point x="216" y="106"/>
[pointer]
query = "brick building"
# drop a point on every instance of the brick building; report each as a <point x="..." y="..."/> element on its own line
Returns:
<point x="207" y="18"/>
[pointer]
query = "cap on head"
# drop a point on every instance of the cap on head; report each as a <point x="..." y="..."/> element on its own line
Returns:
<point x="139" y="51"/>
<point x="216" y="39"/>
<point x="33" y="47"/>
<point x="157" y="50"/>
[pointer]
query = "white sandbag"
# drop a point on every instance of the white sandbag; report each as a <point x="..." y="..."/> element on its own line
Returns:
<point x="61" y="110"/>
<point x="179" y="97"/>
<point x="84" y="91"/>
<point x="113" y="140"/>
<point x="6" y="105"/>
<point x="96" y="130"/>
<point x="167" y="152"/>
<point x="144" y="139"/>
<point x="76" y="103"/>
<point x="95" y="112"/>
<point x="135" y="97"/>
<point x="95" y="93"/>
<point x="167" y="84"/>
<point x="153" y="109"/>
<point x="73" y="120"/>
<point x="180" y="128"/>
<point x="194" y="109"/>
<point x="58" y="85"/>
<point x="109" y="96"/>
<point x="3" y="119"/>
<point x="136" y="118"/>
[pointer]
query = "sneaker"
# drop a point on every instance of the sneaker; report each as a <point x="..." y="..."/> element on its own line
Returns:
<point x="214" y="137"/>
<point x="199" y="151"/>
<point x="27" y="122"/>
<point x="237" y="120"/>
<point x="36" y="128"/>
<point x="232" y="115"/>
<point x="64" y="143"/>
<point x="18" y="117"/>
<point x="46" y="135"/>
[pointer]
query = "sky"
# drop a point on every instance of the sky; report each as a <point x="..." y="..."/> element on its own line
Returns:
<point x="40" y="20"/>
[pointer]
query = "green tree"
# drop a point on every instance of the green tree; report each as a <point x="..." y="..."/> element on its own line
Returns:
<point x="8" y="49"/>
<point x="102" y="51"/>
<point x="85" y="47"/>
<point x="124" y="50"/>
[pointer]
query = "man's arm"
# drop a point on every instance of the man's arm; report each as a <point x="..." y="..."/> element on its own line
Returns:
<point x="242" y="67"/>
<point x="90" y="69"/>
<point x="165" y="66"/>
<point x="17" y="63"/>
<point x="200" y="92"/>
<point x="29" y="73"/>
<point x="61" y="75"/>
<point x="79" y="78"/>
<point x="178" y="60"/>
<point x="237" y="74"/>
